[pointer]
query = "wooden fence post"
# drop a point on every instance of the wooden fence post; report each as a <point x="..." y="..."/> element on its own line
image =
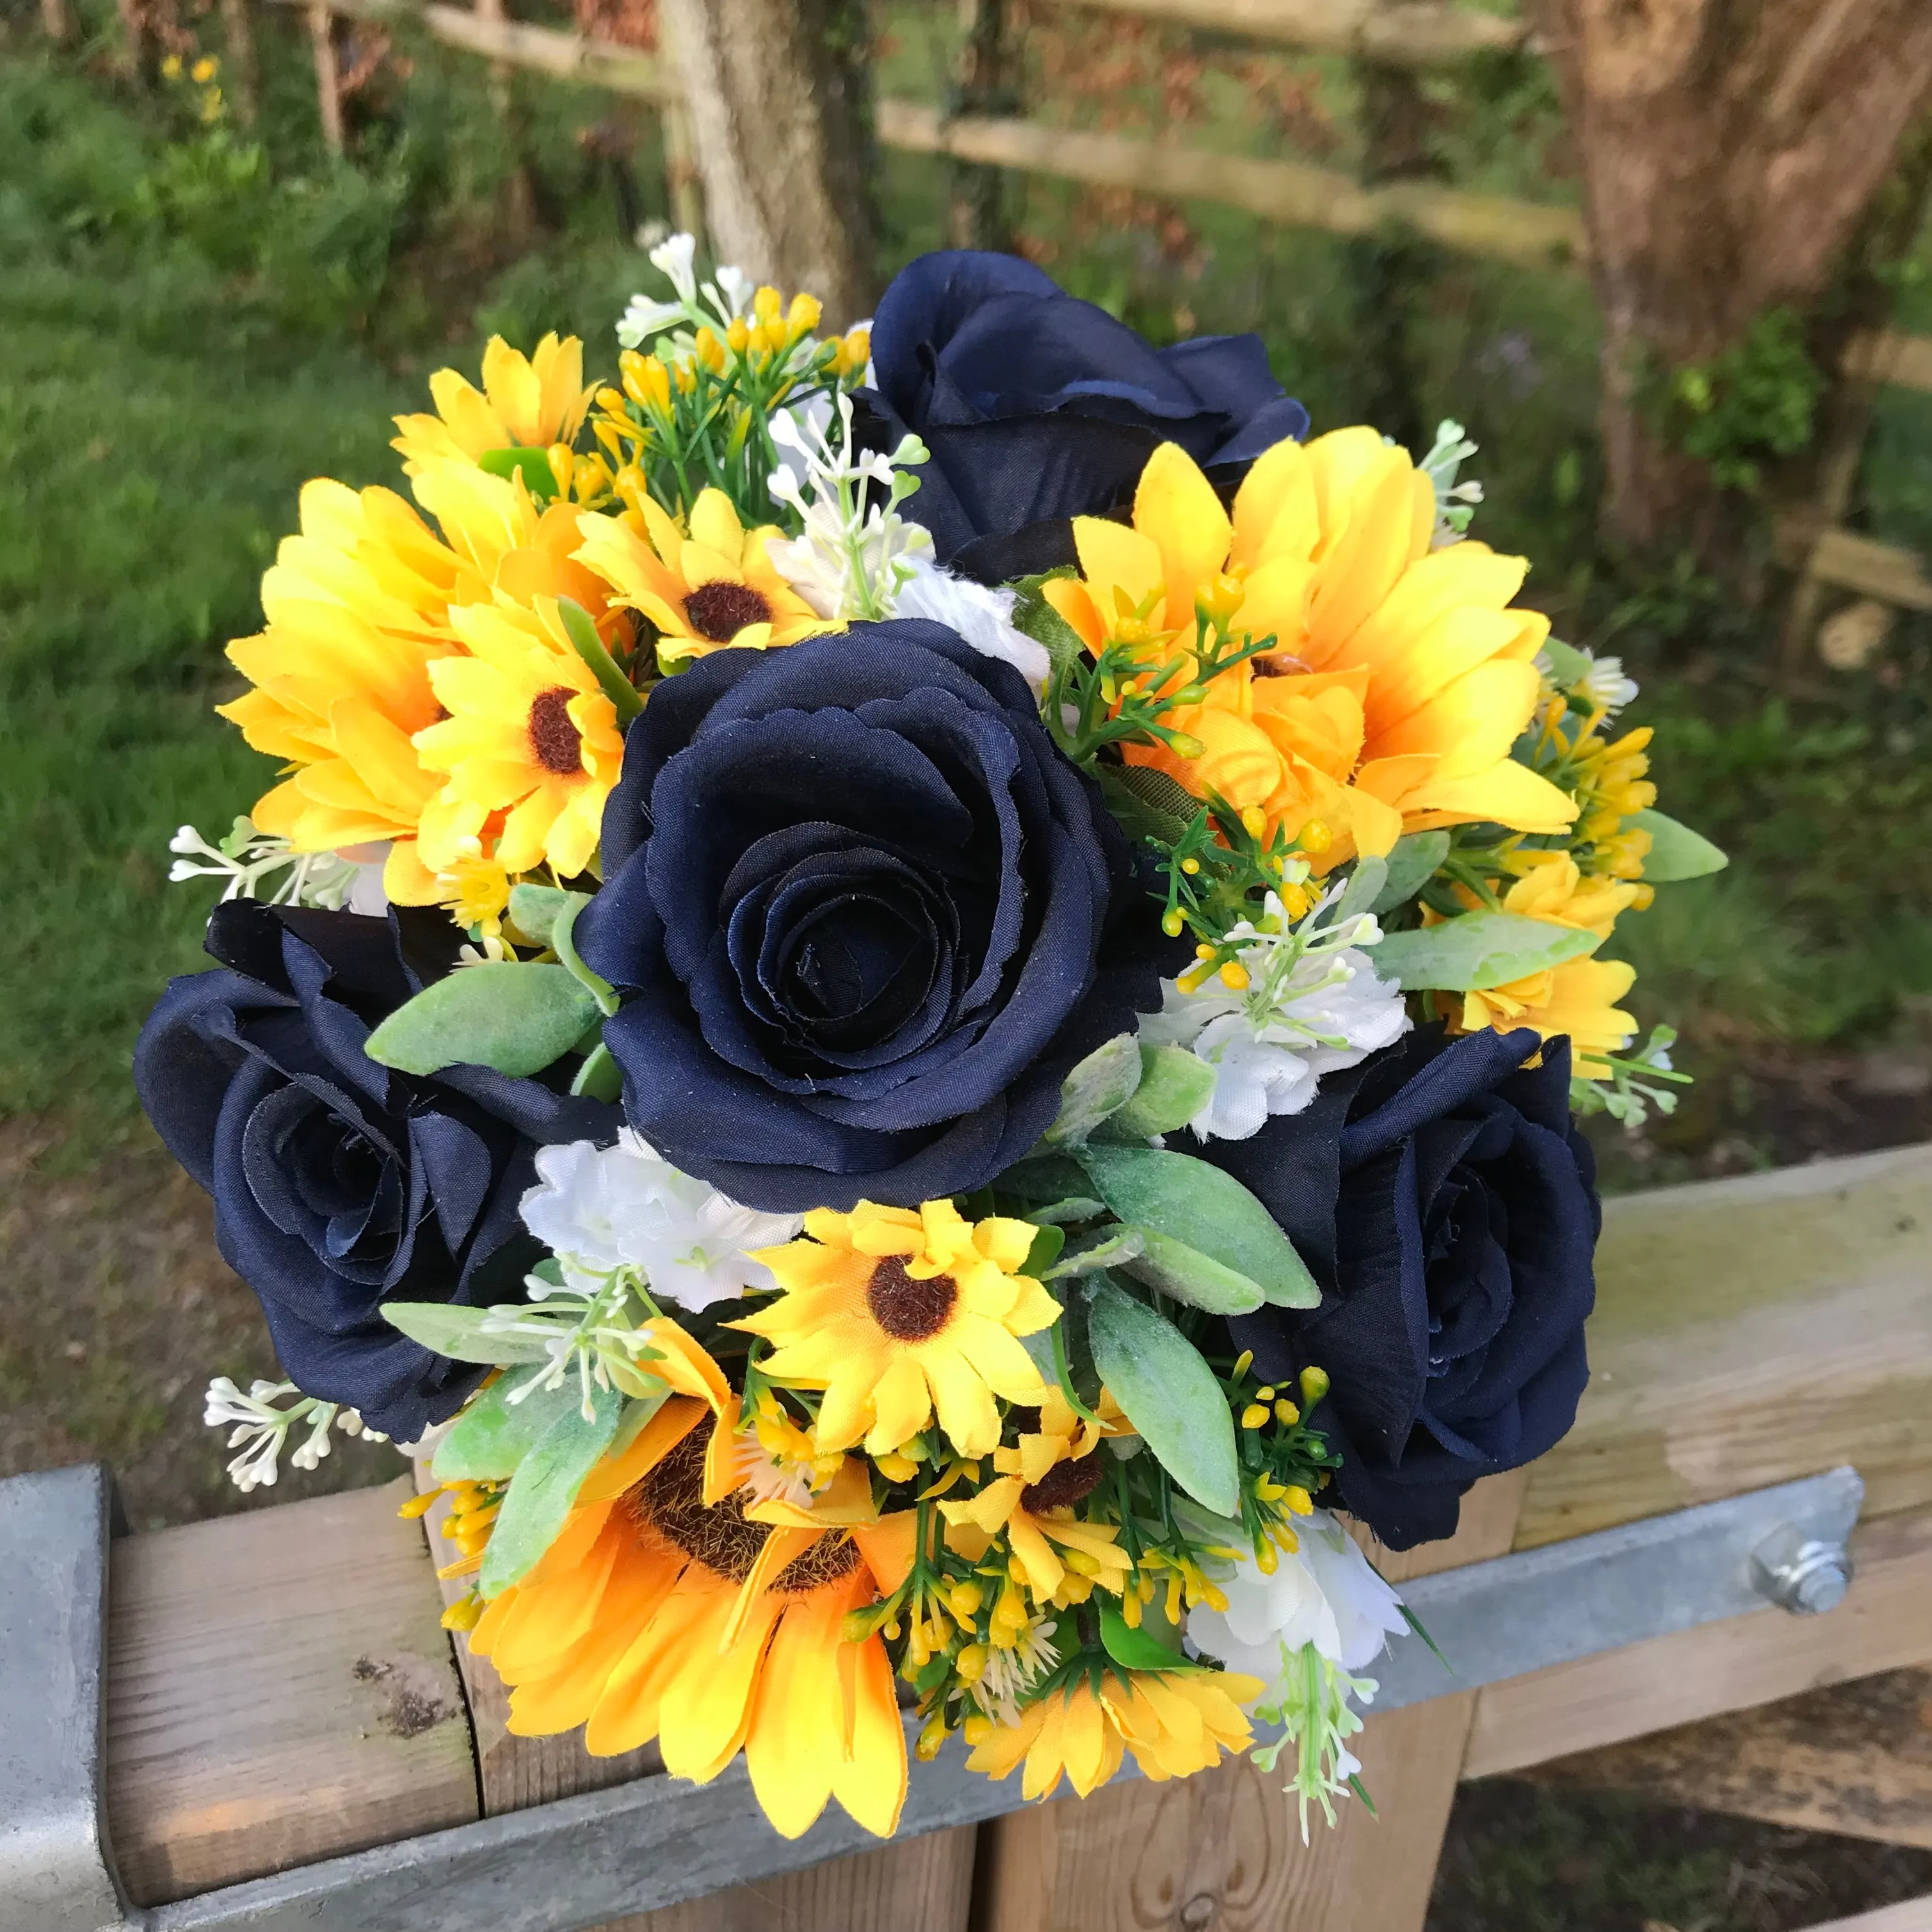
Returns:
<point x="683" y="185"/>
<point x="57" y="19"/>
<point x="985" y="81"/>
<point x="244" y="74"/>
<point x="327" y="73"/>
<point x="1223" y="1848"/>
<point x="519" y="199"/>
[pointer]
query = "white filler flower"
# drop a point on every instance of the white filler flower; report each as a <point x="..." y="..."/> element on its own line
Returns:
<point x="1313" y="1006"/>
<point x="1324" y="1593"/>
<point x="983" y="616"/>
<point x="602" y="1209"/>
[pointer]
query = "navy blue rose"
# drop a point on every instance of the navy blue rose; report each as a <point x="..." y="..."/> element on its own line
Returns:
<point x="339" y="1184"/>
<point x="1037" y="407"/>
<point x="1447" y="1205"/>
<point x="864" y="916"/>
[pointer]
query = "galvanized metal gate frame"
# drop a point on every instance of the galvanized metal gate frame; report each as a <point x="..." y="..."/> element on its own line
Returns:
<point x="578" y="1862"/>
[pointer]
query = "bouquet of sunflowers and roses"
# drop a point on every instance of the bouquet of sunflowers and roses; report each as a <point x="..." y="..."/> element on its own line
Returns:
<point x="913" y="1001"/>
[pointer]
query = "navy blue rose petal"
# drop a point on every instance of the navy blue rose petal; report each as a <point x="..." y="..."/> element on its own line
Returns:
<point x="338" y="1183"/>
<point x="1037" y="407"/>
<point x="1447" y="1205"/>
<point x="864" y="917"/>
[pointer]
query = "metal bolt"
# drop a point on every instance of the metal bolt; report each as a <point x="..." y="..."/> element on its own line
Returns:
<point x="1199" y="1910"/>
<point x="1800" y="1573"/>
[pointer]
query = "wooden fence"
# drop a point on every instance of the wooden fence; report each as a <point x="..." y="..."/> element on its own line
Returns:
<point x="279" y="1690"/>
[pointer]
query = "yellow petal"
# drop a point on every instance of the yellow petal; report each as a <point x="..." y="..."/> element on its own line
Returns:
<point x="1175" y="505"/>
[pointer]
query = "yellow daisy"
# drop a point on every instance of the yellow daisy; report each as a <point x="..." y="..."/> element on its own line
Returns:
<point x="1175" y="1723"/>
<point x="1041" y="1477"/>
<point x="1400" y="675"/>
<point x="530" y="734"/>
<point x="711" y="588"/>
<point x="896" y="1313"/>
<point x="526" y="402"/>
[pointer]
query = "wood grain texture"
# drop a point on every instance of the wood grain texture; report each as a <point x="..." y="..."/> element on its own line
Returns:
<point x="1224" y="1849"/>
<point x="923" y="1885"/>
<point x="1915" y="1914"/>
<point x="279" y="1690"/>
<point x="1748" y="1332"/>
<point x="1884" y="1623"/>
<point x="1854" y="1758"/>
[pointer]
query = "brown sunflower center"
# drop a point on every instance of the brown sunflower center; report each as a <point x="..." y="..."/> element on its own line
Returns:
<point x="907" y="1309"/>
<point x="719" y="611"/>
<point x="828" y="1560"/>
<point x="671" y="1500"/>
<point x="1064" y="1483"/>
<point x="556" y="743"/>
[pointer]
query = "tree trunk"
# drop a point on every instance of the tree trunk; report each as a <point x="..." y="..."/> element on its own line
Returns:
<point x="986" y="83"/>
<point x="1728" y="152"/>
<point x="780" y="108"/>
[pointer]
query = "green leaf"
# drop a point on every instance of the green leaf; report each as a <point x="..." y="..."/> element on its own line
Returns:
<point x="1047" y="1243"/>
<point x="1190" y="1201"/>
<point x="1364" y="887"/>
<point x="1175" y="1085"/>
<point x="564" y="945"/>
<point x="1148" y="803"/>
<point x="1168" y="1393"/>
<point x="1478" y="950"/>
<point x="530" y="463"/>
<point x="1676" y="853"/>
<point x="637" y="1414"/>
<point x="1034" y="617"/>
<point x="589" y="646"/>
<point x="600" y="1078"/>
<point x="545" y="1485"/>
<point x="494" y="1434"/>
<point x="1071" y="1208"/>
<point x="534" y="908"/>
<point x="1411" y="865"/>
<point x="517" y="1019"/>
<point x="458" y="1334"/>
<point x="1104" y="1080"/>
<point x="1139" y="1648"/>
<point x="1098" y="1251"/>
<point x="1568" y="665"/>
<point x="1186" y="1274"/>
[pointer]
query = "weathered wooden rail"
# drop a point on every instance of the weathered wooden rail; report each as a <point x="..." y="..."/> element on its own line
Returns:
<point x="279" y="1691"/>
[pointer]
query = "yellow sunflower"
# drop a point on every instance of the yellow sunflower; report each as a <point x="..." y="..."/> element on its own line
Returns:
<point x="530" y="734"/>
<point x="1041" y="1476"/>
<point x="664" y="1610"/>
<point x="1175" y="1723"/>
<point x="711" y="588"/>
<point x="1400" y="675"/>
<point x="526" y="402"/>
<point x="894" y="1313"/>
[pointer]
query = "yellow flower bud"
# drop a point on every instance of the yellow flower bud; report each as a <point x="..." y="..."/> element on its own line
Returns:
<point x="1286" y="1414"/>
<point x="895" y="1467"/>
<point x="765" y="304"/>
<point x="931" y="1738"/>
<point x="971" y="1663"/>
<point x="1254" y="821"/>
<point x="1299" y="1502"/>
<point x="710" y="351"/>
<point x="1316" y="837"/>
<point x="801" y="318"/>
<point x="1267" y="1561"/>
<point x="1171" y="923"/>
<point x="203" y="71"/>
<point x="977" y="1728"/>
<point x="964" y="1599"/>
<point x="1080" y="1563"/>
<point x="1190" y="866"/>
<point x="562" y="467"/>
<point x="464" y="1614"/>
<point x="737" y="335"/>
<point x="1254" y="1416"/>
<point x="1242" y="1362"/>
<point x="1265" y="1393"/>
<point x="1235" y="976"/>
<point x="1314" y="1385"/>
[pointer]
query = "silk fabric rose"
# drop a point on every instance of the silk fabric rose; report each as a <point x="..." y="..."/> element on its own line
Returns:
<point x="339" y="1184"/>
<point x="864" y="916"/>
<point x="1037" y="406"/>
<point x="1446" y="1205"/>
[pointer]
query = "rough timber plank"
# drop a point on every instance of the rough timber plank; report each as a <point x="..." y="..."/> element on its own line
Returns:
<point x="1883" y="1624"/>
<point x="1748" y="1332"/>
<point x="1854" y="1758"/>
<point x="1224" y="1849"/>
<point x="279" y="1690"/>
<point x="1915" y="1914"/>
<point x="923" y="1885"/>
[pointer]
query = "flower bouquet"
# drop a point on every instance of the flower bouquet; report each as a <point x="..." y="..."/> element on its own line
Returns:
<point x="908" y="1000"/>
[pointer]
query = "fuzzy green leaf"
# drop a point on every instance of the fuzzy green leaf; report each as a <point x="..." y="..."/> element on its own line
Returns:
<point x="1167" y="1392"/>
<point x="531" y="464"/>
<point x="458" y="1334"/>
<point x="1175" y="1085"/>
<point x="494" y="1434"/>
<point x="589" y="646"/>
<point x="534" y="909"/>
<point x="1478" y="950"/>
<point x="1191" y="1202"/>
<point x="1103" y="1081"/>
<point x="1047" y="1243"/>
<point x="1111" y="1245"/>
<point x="517" y="1019"/>
<point x="1411" y="865"/>
<point x="1568" y="666"/>
<point x="1148" y="803"/>
<point x="1676" y="853"/>
<point x="541" y="1493"/>
<point x="1186" y="1274"/>
<point x="1136" y="1647"/>
<point x="1034" y="617"/>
